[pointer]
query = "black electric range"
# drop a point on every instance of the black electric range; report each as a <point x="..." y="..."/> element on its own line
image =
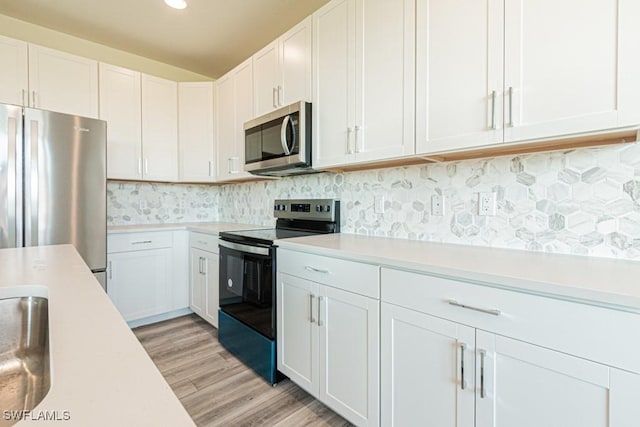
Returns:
<point x="247" y="315"/>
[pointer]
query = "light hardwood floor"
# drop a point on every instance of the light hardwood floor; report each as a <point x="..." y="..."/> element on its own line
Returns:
<point x="218" y="390"/>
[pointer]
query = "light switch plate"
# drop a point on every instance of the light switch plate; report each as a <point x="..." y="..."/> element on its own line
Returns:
<point x="378" y="204"/>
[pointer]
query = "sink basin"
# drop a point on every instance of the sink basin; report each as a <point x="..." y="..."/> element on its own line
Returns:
<point x="24" y="354"/>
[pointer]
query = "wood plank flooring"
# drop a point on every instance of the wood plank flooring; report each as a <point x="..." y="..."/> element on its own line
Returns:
<point x="218" y="390"/>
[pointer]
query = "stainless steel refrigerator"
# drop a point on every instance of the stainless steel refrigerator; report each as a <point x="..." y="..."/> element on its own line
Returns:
<point x="53" y="182"/>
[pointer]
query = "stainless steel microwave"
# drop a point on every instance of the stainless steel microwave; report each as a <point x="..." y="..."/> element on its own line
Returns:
<point x="279" y="143"/>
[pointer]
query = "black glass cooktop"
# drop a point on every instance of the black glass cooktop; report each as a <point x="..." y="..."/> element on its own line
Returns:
<point x="264" y="236"/>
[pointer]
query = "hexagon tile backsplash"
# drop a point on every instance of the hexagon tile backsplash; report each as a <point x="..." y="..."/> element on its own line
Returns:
<point x="584" y="202"/>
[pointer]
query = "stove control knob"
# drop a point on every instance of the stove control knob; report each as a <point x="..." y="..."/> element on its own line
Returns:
<point x="318" y="208"/>
<point x="327" y="208"/>
<point x="283" y="207"/>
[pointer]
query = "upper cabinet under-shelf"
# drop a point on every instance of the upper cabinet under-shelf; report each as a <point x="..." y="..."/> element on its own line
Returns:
<point x="507" y="71"/>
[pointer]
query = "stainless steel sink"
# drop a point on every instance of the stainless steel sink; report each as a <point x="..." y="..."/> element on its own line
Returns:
<point x="24" y="354"/>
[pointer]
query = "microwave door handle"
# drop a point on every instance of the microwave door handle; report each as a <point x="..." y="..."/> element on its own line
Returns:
<point x="283" y="135"/>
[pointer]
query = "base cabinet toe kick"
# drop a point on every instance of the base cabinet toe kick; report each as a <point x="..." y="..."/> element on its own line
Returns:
<point x="392" y="347"/>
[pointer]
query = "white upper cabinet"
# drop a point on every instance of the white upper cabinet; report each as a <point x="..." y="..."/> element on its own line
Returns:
<point x="282" y="70"/>
<point x="195" y="132"/>
<point x="363" y="81"/>
<point x="570" y="66"/>
<point x="159" y="129"/>
<point x="14" y="86"/>
<point x="524" y="70"/>
<point x="233" y="107"/>
<point x="459" y="74"/>
<point x="63" y="82"/>
<point x="120" y="107"/>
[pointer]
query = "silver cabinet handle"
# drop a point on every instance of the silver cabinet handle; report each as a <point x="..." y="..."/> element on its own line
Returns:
<point x="349" y="150"/>
<point x="24" y="94"/>
<point x="141" y="242"/>
<point x="14" y="229"/>
<point x="510" y="124"/>
<point x="491" y="311"/>
<point x="210" y="168"/>
<point x="319" y="311"/>
<point x="316" y="270"/>
<point x="110" y="271"/>
<point x="483" y="391"/>
<point x="140" y="167"/>
<point x="493" y="109"/>
<point x="33" y="97"/>
<point x="356" y="129"/>
<point x="199" y="265"/>
<point x="311" y="318"/>
<point x="204" y="266"/>
<point x="146" y="166"/>
<point x="279" y="95"/>
<point x="273" y="97"/>
<point x="463" y="383"/>
<point x="203" y="242"/>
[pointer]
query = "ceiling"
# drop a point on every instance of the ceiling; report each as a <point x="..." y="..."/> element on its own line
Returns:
<point x="209" y="37"/>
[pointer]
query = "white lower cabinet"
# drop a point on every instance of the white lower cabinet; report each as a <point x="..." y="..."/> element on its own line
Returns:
<point x="146" y="274"/>
<point x="455" y="370"/>
<point x="328" y="345"/>
<point x="203" y="279"/>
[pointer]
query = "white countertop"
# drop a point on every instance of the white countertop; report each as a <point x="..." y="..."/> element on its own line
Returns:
<point x="101" y="374"/>
<point x="202" y="227"/>
<point x="599" y="281"/>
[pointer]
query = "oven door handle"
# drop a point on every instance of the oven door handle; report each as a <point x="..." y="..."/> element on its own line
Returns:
<point x="258" y="250"/>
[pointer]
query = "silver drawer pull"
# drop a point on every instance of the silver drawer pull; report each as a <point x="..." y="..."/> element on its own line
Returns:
<point x="491" y="311"/>
<point x="483" y="390"/>
<point x="202" y="242"/>
<point x="142" y="242"/>
<point x="311" y="318"/>
<point x="316" y="270"/>
<point x="463" y="383"/>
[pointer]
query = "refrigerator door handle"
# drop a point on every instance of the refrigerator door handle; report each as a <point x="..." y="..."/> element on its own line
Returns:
<point x="12" y="187"/>
<point x="31" y="185"/>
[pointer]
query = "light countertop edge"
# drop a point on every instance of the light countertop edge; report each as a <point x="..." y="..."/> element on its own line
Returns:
<point x="202" y="227"/>
<point x="610" y="283"/>
<point x="100" y="373"/>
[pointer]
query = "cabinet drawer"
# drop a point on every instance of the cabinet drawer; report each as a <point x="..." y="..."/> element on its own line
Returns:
<point x="595" y="333"/>
<point x="363" y="279"/>
<point x="206" y="242"/>
<point x="126" y="242"/>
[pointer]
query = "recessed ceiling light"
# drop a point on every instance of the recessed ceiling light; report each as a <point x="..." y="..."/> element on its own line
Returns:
<point x="176" y="4"/>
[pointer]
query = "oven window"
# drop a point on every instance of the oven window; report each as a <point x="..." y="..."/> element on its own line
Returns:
<point x="246" y="289"/>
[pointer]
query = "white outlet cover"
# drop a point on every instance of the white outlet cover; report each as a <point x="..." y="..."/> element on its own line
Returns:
<point x="437" y="205"/>
<point x="486" y="204"/>
<point x="378" y="204"/>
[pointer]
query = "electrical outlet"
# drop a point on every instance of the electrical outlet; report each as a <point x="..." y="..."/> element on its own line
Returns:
<point x="378" y="204"/>
<point x="182" y="204"/>
<point x="437" y="205"/>
<point x="143" y="204"/>
<point x="487" y="204"/>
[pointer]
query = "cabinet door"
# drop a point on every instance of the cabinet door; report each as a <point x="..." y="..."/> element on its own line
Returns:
<point x="567" y="71"/>
<point x="211" y="269"/>
<point x="519" y="384"/>
<point x="62" y="82"/>
<point x="459" y="74"/>
<point x="334" y="83"/>
<point x="244" y="112"/>
<point x="197" y="282"/>
<point x="159" y="129"/>
<point x="427" y="370"/>
<point x="297" y="332"/>
<point x="224" y="126"/>
<point x="385" y="76"/>
<point x="295" y="64"/>
<point x="14" y="88"/>
<point x="349" y="326"/>
<point x="120" y="106"/>
<point x="139" y="282"/>
<point x="234" y="106"/>
<point x="266" y="80"/>
<point x="195" y="131"/>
